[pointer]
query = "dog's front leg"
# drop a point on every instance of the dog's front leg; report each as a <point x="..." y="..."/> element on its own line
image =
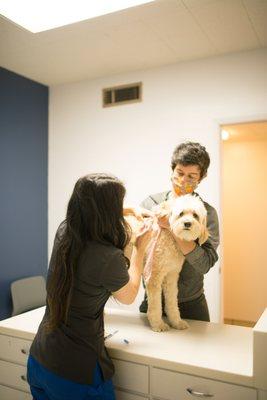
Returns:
<point x="170" y="291"/>
<point x="154" y="312"/>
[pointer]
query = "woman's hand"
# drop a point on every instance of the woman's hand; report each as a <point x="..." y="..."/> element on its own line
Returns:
<point x="138" y="212"/>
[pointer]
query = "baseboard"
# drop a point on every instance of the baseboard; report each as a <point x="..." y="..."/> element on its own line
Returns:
<point x="238" y="322"/>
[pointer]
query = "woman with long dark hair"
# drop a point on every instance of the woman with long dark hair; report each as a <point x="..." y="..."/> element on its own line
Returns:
<point x="68" y="358"/>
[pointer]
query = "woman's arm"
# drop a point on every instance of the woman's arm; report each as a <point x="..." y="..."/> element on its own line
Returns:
<point x="128" y="293"/>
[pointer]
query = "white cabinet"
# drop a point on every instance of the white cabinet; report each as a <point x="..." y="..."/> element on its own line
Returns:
<point x="7" y="393"/>
<point x="121" y="395"/>
<point x="14" y="375"/>
<point x="14" y="349"/>
<point x="13" y="371"/>
<point x="171" y="385"/>
<point x="133" y="381"/>
<point x="262" y="395"/>
<point x="131" y="376"/>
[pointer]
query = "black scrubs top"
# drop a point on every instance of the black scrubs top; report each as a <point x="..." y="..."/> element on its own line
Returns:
<point x="72" y="350"/>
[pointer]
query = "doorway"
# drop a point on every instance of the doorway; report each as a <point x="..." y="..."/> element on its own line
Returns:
<point x="244" y="222"/>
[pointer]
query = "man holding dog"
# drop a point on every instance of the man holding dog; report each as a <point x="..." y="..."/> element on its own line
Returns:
<point x="189" y="163"/>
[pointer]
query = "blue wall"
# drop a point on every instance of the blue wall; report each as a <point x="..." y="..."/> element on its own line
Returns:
<point x="23" y="180"/>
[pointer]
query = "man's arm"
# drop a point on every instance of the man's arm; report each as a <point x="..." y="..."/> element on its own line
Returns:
<point x="148" y="203"/>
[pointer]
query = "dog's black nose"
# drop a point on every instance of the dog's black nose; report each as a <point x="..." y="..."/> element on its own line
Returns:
<point x="187" y="224"/>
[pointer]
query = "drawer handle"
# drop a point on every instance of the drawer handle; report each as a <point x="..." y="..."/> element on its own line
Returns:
<point x="25" y="351"/>
<point x="198" y="394"/>
<point x="24" y="378"/>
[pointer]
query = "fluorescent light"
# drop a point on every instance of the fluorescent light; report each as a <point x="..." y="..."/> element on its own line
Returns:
<point x="225" y="135"/>
<point x="37" y="16"/>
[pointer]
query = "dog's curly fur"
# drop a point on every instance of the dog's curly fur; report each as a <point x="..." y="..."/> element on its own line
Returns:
<point x="187" y="218"/>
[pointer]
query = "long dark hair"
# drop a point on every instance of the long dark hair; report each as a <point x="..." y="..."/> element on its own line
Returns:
<point x="94" y="213"/>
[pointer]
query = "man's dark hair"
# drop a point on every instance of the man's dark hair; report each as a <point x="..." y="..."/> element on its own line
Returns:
<point x="190" y="153"/>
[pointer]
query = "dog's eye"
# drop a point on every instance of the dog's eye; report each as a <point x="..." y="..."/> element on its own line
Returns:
<point x="181" y="214"/>
<point x="195" y="216"/>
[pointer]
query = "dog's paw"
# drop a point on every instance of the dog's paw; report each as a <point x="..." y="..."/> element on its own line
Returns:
<point x="162" y="327"/>
<point x="179" y="324"/>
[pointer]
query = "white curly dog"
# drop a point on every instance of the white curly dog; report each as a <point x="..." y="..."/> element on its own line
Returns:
<point x="187" y="217"/>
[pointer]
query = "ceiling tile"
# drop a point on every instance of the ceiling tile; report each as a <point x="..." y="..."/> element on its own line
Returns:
<point x="183" y="34"/>
<point x="227" y="25"/>
<point x="196" y="3"/>
<point x="257" y="11"/>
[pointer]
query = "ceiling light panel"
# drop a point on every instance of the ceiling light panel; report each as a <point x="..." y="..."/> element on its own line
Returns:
<point x="37" y="16"/>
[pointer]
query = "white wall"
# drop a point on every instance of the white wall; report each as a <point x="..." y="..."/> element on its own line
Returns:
<point x="135" y="142"/>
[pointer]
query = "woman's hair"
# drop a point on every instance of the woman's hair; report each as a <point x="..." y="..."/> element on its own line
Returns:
<point x="190" y="153"/>
<point x="94" y="213"/>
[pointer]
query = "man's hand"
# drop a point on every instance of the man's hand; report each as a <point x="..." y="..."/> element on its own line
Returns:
<point x="185" y="246"/>
<point x="163" y="221"/>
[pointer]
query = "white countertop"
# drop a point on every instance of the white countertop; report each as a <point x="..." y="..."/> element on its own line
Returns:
<point x="261" y="325"/>
<point x="215" y="351"/>
<point x="23" y="326"/>
<point x="211" y="350"/>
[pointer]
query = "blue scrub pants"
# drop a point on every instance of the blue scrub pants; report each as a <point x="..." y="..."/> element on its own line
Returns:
<point x="46" y="385"/>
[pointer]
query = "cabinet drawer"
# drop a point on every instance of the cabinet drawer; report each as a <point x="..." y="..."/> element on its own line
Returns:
<point x="262" y="395"/>
<point x="13" y="375"/>
<point x="173" y="385"/>
<point x="131" y="376"/>
<point x="120" y="395"/>
<point x="7" y="393"/>
<point x="14" y="349"/>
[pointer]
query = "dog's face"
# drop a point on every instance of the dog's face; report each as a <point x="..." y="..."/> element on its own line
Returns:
<point x="188" y="218"/>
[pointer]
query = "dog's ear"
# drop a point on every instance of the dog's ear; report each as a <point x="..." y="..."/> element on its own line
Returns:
<point x="204" y="232"/>
<point x="163" y="209"/>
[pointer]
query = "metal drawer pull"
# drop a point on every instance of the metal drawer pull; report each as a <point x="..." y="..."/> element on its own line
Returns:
<point x="24" y="378"/>
<point x="25" y="351"/>
<point x="199" y="394"/>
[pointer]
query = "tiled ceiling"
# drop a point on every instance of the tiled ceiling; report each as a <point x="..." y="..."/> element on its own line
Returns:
<point x="158" y="33"/>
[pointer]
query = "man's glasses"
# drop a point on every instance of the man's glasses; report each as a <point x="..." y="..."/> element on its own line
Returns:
<point x="176" y="178"/>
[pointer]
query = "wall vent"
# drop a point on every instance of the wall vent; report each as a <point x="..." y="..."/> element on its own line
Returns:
<point x="123" y="94"/>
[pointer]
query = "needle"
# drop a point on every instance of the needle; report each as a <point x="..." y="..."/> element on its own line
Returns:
<point x="110" y="335"/>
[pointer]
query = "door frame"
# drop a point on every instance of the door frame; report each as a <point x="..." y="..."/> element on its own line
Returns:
<point x="220" y="122"/>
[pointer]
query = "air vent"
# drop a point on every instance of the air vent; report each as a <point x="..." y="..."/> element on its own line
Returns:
<point x="122" y="94"/>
